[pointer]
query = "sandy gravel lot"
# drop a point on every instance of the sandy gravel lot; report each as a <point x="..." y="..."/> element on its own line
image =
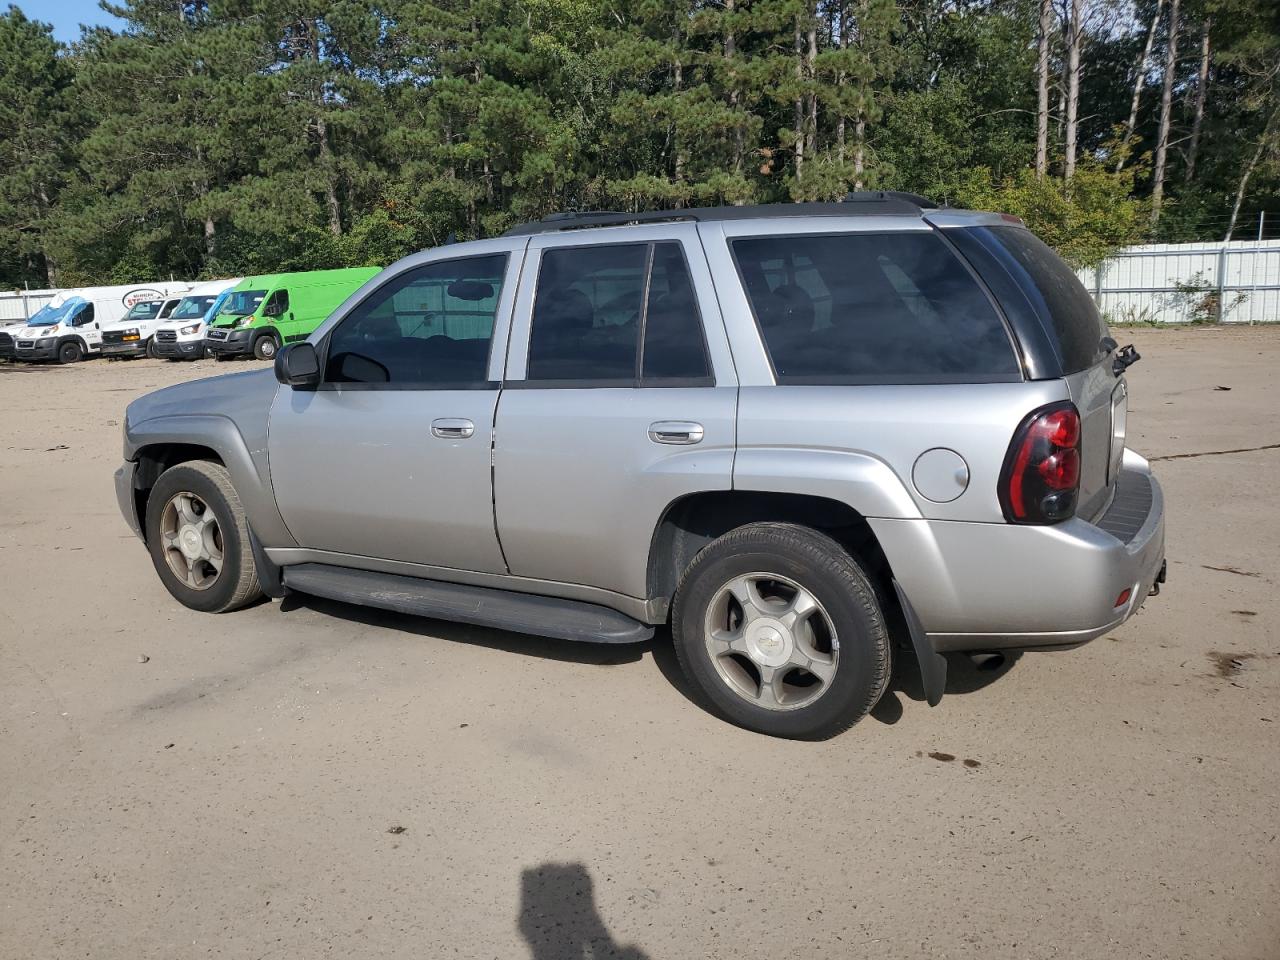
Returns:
<point x="306" y="779"/>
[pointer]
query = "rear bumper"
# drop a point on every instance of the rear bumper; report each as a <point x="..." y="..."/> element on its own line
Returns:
<point x="991" y="586"/>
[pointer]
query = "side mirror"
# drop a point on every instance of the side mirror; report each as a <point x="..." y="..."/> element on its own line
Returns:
<point x="298" y="366"/>
<point x="273" y="309"/>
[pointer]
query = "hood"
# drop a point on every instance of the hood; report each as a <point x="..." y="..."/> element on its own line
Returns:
<point x="232" y="395"/>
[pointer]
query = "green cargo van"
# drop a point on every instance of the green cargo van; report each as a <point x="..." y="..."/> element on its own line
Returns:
<point x="264" y="313"/>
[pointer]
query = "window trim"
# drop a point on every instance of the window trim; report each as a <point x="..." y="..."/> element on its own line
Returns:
<point x="906" y="380"/>
<point x="637" y="381"/>
<point x="338" y="386"/>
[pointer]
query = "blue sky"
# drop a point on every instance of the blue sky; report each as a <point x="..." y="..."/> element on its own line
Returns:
<point x="67" y="15"/>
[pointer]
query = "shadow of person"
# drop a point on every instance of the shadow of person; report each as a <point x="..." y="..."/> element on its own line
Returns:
<point x="559" y="919"/>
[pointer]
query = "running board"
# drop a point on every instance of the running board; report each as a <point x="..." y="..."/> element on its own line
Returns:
<point x="483" y="606"/>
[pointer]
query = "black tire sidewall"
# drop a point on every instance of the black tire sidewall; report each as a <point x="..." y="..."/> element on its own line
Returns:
<point x="70" y="352"/>
<point x="848" y="598"/>
<point x="267" y="341"/>
<point x="184" y="478"/>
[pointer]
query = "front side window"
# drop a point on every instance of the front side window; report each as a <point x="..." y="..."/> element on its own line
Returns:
<point x="429" y="327"/>
<point x="622" y="314"/>
<point x="872" y="308"/>
<point x="276" y="304"/>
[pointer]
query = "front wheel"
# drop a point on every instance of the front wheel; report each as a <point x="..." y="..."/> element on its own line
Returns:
<point x="70" y="352"/>
<point x="264" y="348"/>
<point x="198" y="538"/>
<point x="779" y="630"/>
<point x="151" y="350"/>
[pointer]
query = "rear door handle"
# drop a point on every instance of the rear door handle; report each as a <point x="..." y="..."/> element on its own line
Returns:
<point x="679" y="432"/>
<point x="452" y="428"/>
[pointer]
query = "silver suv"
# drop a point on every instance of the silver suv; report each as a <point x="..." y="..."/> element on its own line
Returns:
<point x="793" y="433"/>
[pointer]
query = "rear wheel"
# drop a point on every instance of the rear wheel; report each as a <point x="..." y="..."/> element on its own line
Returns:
<point x="264" y="348"/>
<point x="778" y="629"/>
<point x="199" y="538"/>
<point x="70" y="352"/>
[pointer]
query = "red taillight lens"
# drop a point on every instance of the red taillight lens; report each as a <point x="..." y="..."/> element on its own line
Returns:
<point x="1040" y="482"/>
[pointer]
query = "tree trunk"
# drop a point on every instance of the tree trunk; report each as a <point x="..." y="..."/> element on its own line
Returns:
<point x="840" y="19"/>
<point x="1073" y="88"/>
<point x="1166" y="111"/>
<point x="730" y="55"/>
<point x="1138" y="83"/>
<point x="1202" y="87"/>
<point x="859" y="155"/>
<point x="810" y="63"/>
<point x="799" y="102"/>
<point x="1247" y="173"/>
<point x="1042" y="89"/>
<point x="210" y="236"/>
<point x="677" y="80"/>
<point x="330" y="181"/>
<point x="50" y="265"/>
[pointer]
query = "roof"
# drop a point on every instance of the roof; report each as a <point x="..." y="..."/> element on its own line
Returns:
<point x="862" y="203"/>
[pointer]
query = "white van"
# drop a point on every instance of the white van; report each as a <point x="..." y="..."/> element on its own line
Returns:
<point x="134" y="334"/>
<point x="69" y="327"/>
<point x="181" y="337"/>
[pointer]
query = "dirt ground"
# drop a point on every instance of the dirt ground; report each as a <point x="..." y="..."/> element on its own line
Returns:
<point x="307" y="779"/>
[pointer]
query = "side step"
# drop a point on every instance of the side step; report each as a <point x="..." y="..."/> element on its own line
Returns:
<point x="483" y="606"/>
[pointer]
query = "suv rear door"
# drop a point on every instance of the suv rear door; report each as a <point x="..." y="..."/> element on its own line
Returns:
<point x="619" y="399"/>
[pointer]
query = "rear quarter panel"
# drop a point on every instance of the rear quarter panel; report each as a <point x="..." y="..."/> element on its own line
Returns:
<point x="859" y="444"/>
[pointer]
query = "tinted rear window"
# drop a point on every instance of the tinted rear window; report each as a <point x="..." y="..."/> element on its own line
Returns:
<point x="872" y="308"/>
<point x="1071" y="313"/>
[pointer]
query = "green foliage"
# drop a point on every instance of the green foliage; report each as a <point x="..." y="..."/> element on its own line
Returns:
<point x="225" y="137"/>
<point x="1084" y="220"/>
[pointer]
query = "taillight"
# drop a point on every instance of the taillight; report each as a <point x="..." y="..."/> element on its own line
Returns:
<point x="1040" y="482"/>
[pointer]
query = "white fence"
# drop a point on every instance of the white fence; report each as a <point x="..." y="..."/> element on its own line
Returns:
<point x="1236" y="282"/>
<point x="18" y="305"/>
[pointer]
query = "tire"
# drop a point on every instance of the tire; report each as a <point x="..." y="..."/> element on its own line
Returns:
<point x="265" y="347"/>
<point x="195" y="489"/>
<point x="70" y="352"/>
<point x="219" y="357"/>
<point x="151" y="350"/>
<point x="842" y="638"/>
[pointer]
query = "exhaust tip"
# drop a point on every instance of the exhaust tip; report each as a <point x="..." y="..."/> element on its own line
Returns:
<point x="988" y="662"/>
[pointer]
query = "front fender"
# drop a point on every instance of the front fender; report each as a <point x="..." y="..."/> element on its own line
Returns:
<point x="248" y="468"/>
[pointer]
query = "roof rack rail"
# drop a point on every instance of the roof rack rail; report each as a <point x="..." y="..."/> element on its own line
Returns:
<point x="859" y="203"/>
<point x="865" y="196"/>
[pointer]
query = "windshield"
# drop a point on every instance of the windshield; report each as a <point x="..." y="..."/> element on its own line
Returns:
<point x="49" y="315"/>
<point x="192" y="307"/>
<point x="143" y="311"/>
<point x="241" y="303"/>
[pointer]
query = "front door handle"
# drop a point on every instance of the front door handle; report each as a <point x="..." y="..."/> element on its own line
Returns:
<point x="452" y="428"/>
<point x="679" y="432"/>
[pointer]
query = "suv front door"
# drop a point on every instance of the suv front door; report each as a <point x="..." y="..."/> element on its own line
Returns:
<point x="620" y="399"/>
<point x="390" y="457"/>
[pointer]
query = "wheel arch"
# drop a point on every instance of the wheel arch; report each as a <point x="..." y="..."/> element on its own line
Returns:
<point x="691" y="522"/>
<point x="156" y="445"/>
